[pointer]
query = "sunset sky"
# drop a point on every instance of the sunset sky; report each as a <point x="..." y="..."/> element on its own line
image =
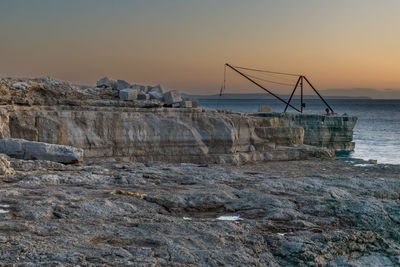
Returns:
<point x="184" y="44"/>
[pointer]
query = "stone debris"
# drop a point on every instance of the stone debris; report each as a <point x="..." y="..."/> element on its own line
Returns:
<point x="20" y="85"/>
<point x="172" y="97"/>
<point x="128" y="94"/>
<point x="156" y="92"/>
<point x="186" y="104"/>
<point x="121" y="84"/>
<point x="23" y="149"/>
<point x="143" y="96"/>
<point x="141" y="88"/>
<point x="265" y="108"/>
<point x="105" y="82"/>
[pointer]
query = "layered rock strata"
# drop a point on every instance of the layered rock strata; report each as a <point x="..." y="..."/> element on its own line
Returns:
<point x="142" y="123"/>
<point x="168" y="134"/>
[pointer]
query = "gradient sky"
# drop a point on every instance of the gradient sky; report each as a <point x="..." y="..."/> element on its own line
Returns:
<point x="183" y="44"/>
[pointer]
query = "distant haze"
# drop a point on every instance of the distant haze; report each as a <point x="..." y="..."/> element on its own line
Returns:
<point x="183" y="44"/>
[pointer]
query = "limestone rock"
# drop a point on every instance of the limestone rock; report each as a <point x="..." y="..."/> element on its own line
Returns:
<point x="143" y="96"/>
<point x="23" y="149"/>
<point x="172" y="97"/>
<point x="128" y="94"/>
<point x="20" y="85"/>
<point x="265" y="108"/>
<point x="156" y="92"/>
<point x="121" y="84"/>
<point x="5" y="169"/>
<point x="185" y="104"/>
<point x="141" y="88"/>
<point x="105" y="82"/>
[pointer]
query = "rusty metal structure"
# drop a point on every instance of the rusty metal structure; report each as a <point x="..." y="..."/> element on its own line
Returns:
<point x="301" y="81"/>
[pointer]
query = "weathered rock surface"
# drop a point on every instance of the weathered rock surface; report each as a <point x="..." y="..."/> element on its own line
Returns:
<point x="156" y="92"/>
<point x="135" y="124"/>
<point x="5" y="168"/>
<point x="121" y="84"/>
<point x="299" y="213"/>
<point x="334" y="132"/>
<point x="172" y="97"/>
<point x="23" y="149"/>
<point x="162" y="134"/>
<point x="128" y="94"/>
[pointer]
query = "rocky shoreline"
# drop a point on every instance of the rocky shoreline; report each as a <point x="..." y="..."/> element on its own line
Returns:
<point x="123" y="174"/>
<point x="285" y="213"/>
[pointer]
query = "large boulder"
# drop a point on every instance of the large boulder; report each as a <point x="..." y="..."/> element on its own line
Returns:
<point x="105" y="82"/>
<point x="172" y="97"/>
<point x="128" y="94"/>
<point x="156" y="92"/>
<point x="121" y="84"/>
<point x="23" y="149"/>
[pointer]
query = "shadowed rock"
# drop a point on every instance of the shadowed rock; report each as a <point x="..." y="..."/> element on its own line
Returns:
<point x="172" y="97"/>
<point x="24" y="149"/>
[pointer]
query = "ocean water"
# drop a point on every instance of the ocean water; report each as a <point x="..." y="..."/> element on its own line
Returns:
<point x="377" y="132"/>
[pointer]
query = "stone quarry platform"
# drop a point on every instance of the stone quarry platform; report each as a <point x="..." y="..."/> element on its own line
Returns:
<point x="142" y="123"/>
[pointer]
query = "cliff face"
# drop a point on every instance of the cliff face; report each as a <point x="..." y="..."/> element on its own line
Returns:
<point x="333" y="132"/>
<point x="144" y="123"/>
<point x="178" y="134"/>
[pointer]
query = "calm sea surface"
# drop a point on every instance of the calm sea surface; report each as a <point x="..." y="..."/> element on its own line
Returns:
<point x="377" y="132"/>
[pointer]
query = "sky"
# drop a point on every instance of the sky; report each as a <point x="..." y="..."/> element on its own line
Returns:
<point x="183" y="44"/>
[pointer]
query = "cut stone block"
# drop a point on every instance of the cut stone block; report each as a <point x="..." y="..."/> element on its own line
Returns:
<point x="156" y="92"/>
<point x="142" y="96"/>
<point x="121" y="84"/>
<point x="23" y="149"/>
<point x="141" y="88"/>
<point x="128" y="94"/>
<point x="195" y="103"/>
<point x="264" y="108"/>
<point x="105" y="82"/>
<point x="172" y="97"/>
<point x="186" y="104"/>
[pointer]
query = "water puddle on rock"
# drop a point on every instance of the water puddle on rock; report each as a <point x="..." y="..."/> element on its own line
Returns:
<point x="229" y="218"/>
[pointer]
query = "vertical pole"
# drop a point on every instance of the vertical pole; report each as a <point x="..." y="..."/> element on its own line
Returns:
<point x="294" y="90"/>
<point x="301" y="97"/>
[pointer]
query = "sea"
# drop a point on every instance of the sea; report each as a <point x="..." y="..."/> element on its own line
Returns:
<point x="376" y="134"/>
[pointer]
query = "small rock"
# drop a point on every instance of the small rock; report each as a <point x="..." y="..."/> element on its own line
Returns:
<point x="176" y="105"/>
<point x="172" y="97"/>
<point x="373" y="161"/>
<point x="265" y="109"/>
<point x="128" y="94"/>
<point x="19" y="85"/>
<point x="185" y="104"/>
<point x="121" y="84"/>
<point x="195" y="103"/>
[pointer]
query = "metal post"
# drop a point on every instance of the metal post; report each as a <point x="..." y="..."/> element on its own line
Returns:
<point x="294" y="90"/>
<point x="301" y="97"/>
<point x="242" y="74"/>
